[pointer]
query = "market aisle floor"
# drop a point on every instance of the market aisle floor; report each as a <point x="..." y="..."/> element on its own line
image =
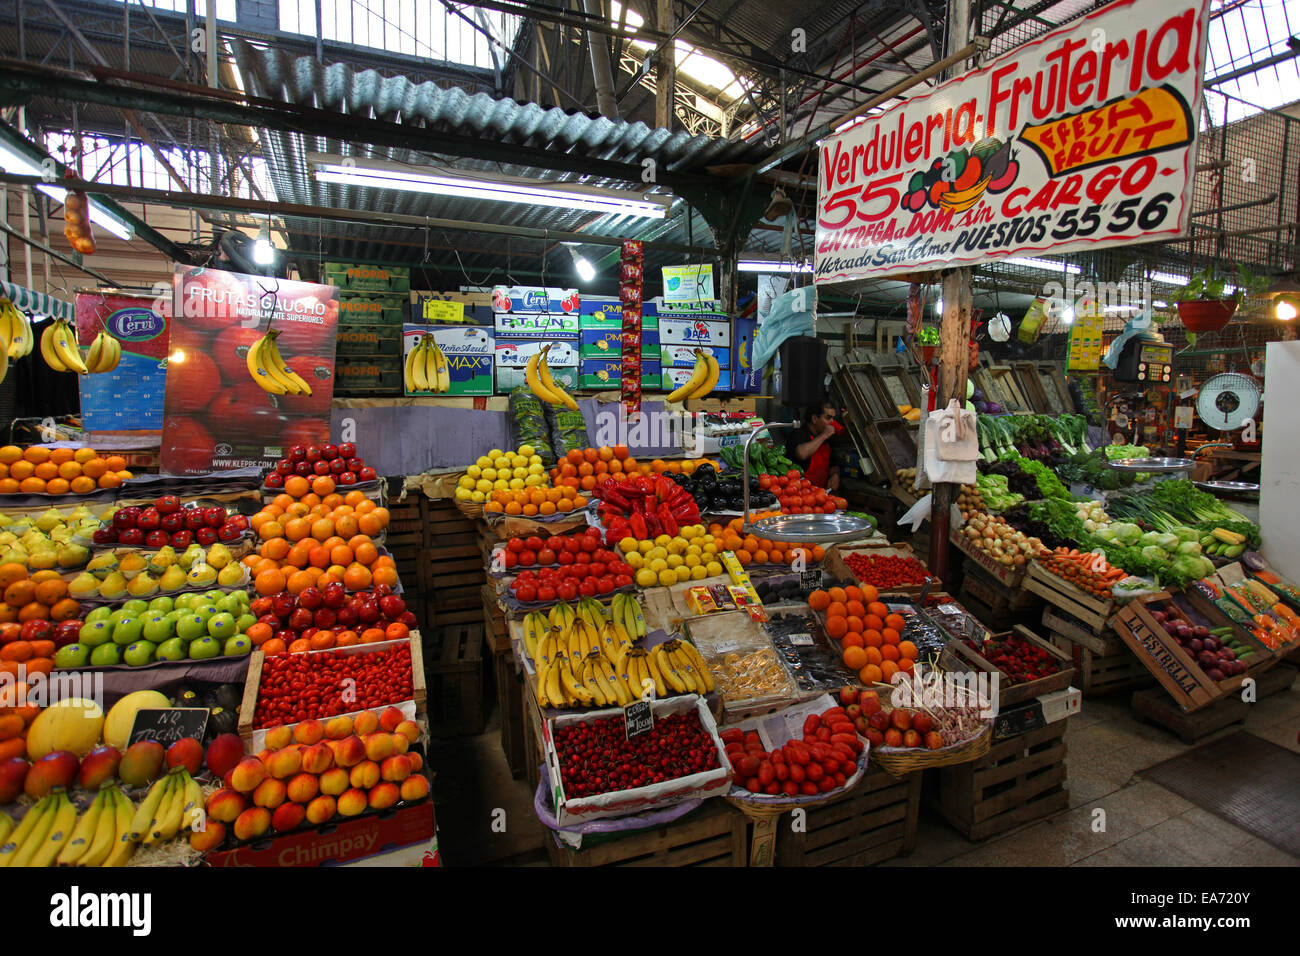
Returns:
<point x="1108" y="746"/>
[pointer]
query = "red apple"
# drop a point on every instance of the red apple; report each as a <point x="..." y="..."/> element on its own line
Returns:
<point x="206" y="536"/>
<point x="132" y="536"/>
<point x="125" y="517"/>
<point x="182" y="539"/>
<point x="229" y="532"/>
<point x="274" y="480"/>
<point x="105" y="536"/>
<point x="328" y="451"/>
<point x="310" y="598"/>
<point x="347" y="449"/>
<point x="157" y="539"/>
<point x="37" y="629"/>
<point x="324" y="617"/>
<point x="171" y="522"/>
<point x="346" y="478"/>
<point x="214" y="517"/>
<point x="334" y="595"/>
<point x="298" y="453"/>
<point x="367" y="474"/>
<point x="149" y="519"/>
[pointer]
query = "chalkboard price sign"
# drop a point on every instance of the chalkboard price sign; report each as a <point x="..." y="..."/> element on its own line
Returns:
<point x="810" y="580"/>
<point x="169" y="724"/>
<point x="638" y="718"/>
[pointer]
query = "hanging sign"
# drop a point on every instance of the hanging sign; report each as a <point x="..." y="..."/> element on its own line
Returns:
<point x="688" y="283"/>
<point x="130" y="397"/>
<point x="1082" y="138"/>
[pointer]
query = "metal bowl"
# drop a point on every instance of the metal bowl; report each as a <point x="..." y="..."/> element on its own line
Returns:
<point x="810" y="528"/>
<point x="1153" y="464"/>
<point x="1229" y="487"/>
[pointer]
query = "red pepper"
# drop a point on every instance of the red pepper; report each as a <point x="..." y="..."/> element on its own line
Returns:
<point x="653" y="527"/>
<point x="640" y="531"/>
<point x="667" y="520"/>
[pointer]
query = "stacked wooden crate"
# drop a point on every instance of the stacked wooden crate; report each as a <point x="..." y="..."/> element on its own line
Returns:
<point x="451" y="569"/>
<point x="404" y="538"/>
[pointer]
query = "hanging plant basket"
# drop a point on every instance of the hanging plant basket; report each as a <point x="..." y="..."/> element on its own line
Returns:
<point x="928" y="352"/>
<point x="1206" y="315"/>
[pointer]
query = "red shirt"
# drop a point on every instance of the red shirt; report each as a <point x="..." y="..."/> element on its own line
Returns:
<point x="816" y="469"/>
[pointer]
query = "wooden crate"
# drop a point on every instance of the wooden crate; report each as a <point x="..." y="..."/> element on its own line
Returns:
<point x="1060" y="593"/>
<point x="995" y="592"/>
<point x="1099" y="674"/>
<point x="442" y="523"/>
<point x="1008" y="693"/>
<point x="1018" y="781"/>
<point x="713" y="835"/>
<point x="462" y="605"/>
<point x="495" y="628"/>
<point x="510" y="705"/>
<point x="453" y="668"/>
<point x="1008" y="578"/>
<point x="873" y="822"/>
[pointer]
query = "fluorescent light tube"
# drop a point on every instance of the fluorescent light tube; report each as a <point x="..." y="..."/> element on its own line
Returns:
<point x="557" y="195"/>
<point x="14" y="162"/>
<point x="1047" y="265"/>
<point x="772" y="265"/>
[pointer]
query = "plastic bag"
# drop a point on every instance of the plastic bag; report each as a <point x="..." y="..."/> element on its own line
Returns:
<point x="955" y="434"/>
<point x="568" y="430"/>
<point x="937" y="469"/>
<point x="528" y="422"/>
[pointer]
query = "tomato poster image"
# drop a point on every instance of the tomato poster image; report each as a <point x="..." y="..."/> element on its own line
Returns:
<point x="129" y="399"/>
<point x="1083" y="138"/>
<point x="215" y="414"/>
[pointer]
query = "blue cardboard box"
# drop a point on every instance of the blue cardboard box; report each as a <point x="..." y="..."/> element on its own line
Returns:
<point x="603" y="343"/>
<point x="683" y="356"/>
<point x="744" y="376"/>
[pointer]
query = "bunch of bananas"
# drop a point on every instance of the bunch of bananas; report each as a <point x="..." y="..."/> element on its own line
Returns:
<point x="173" y="803"/>
<point x="59" y="348"/>
<point x="538" y="377"/>
<point x="16" y="336"/>
<point x="267" y="367"/>
<point x="51" y="832"/>
<point x="583" y="659"/>
<point x="703" y="380"/>
<point x="426" y="368"/>
<point x="105" y="352"/>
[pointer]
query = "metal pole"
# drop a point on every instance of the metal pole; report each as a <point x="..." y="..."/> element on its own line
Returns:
<point x="601" y="74"/>
<point x="666" y="78"/>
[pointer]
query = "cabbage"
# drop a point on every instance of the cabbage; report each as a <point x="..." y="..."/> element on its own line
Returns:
<point x="1150" y="538"/>
<point x="1155" y="553"/>
<point x="1190" y="547"/>
<point x="1105" y="533"/>
<point x="1187" y="534"/>
<point x="1189" y="567"/>
<point x="1169" y="541"/>
<point x="1126" y="532"/>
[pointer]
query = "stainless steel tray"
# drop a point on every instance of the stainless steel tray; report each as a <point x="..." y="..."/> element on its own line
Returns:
<point x="1153" y="464"/>
<point x="1229" y="487"/>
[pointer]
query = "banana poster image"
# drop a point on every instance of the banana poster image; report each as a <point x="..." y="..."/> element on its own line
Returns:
<point x="126" y="337"/>
<point x="250" y="369"/>
<point x="1082" y="138"/>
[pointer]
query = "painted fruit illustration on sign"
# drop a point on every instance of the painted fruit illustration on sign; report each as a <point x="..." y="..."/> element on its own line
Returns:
<point x="956" y="182"/>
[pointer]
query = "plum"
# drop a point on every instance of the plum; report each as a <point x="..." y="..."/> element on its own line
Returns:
<point x="1211" y="643"/>
<point x="1195" y="645"/>
<point x="1215" y="674"/>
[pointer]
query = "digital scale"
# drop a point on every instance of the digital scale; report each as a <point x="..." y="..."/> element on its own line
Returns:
<point x="1146" y="361"/>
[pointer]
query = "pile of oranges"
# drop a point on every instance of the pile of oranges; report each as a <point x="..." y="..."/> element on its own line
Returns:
<point x="583" y="469"/>
<point x="42" y="595"/>
<point x="37" y="470"/>
<point x="535" y="501"/>
<point x="870" y="636"/>
<point x="317" y="540"/>
<point x="751" y="550"/>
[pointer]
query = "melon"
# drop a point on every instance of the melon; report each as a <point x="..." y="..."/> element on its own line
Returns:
<point x="72" y="725"/>
<point x="117" y="727"/>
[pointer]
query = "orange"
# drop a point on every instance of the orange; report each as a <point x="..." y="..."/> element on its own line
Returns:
<point x="270" y="529"/>
<point x="873" y="655"/>
<point x="332" y="501"/>
<point x="514" y="508"/>
<point x="870" y="674"/>
<point x="323" y="485"/>
<point x="384" y="575"/>
<point x="896" y="622"/>
<point x="745" y="558"/>
<point x="323" y="640"/>
<point x="341" y="554"/>
<point x="277" y="549"/>
<point x="905" y="665"/>
<point x="32" y="486"/>
<point x="357" y="578"/>
<point x="579" y="501"/>
<point x="889" y="652"/>
<point x="346" y="525"/>
<point x="49" y="574"/>
<point x="21" y="470"/>
<point x="365" y="506"/>
<point x="891" y="636"/>
<point x="300" y="646"/>
<point x="36" y="454"/>
<point x="10" y="454"/>
<point x="878" y="609"/>
<point x="11" y="573"/>
<point x="283" y="502"/>
<point x="83" y="455"/>
<point x="888" y="669"/>
<point x="874" y="622"/>
<point x="110" y="480"/>
<point x="585" y="470"/>
<point x="836" y="627"/>
<point x="299" y="581"/>
<point x="370" y="525"/>
<point x="319" y="557"/>
<point x="837" y="594"/>
<point x="365" y="553"/>
<point x="51" y="592"/>
<point x="855" y="624"/>
<point x="69" y="469"/>
<point x="273" y="647"/>
<point x="57" y="486"/>
<point x="322" y="528"/>
<point x="34" y="611"/>
<point x="855" y="608"/>
<point x="546" y="508"/>
<point x="354" y="498"/>
<point x="269" y="582"/>
<point x="869" y="594"/>
<point x="530" y="510"/>
<point x="818" y="552"/>
<point x="854" y="593"/>
<point x="8" y="486"/>
<point x="83" y="485"/>
<point x="296" y="485"/>
<point x="494" y="506"/>
<point x="299" y="555"/>
<point x="60" y="455"/>
<point x="384" y="517"/>
<point x="295" y="529"/>
<point x="855" y="658"/>
<point x="873" y="638"/>
<point x="907" y="650"/>
<point x="564" y="505"/>
<point x="4" y="470"/>
<point x="115" y="463"/>
<point x="837" y="609"/>
<point x="851" y="639"/>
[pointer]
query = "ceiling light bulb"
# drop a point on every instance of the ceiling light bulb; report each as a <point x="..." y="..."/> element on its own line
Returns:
<point x="263" y="251"/>
<point x="1284" y="310"/>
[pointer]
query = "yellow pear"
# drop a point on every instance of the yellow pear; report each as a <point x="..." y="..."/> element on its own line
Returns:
<point x="193" y="553"/>
<point x="202" y="575"/>
<point x="113" y="586"/>
<point x="173" y="579"/>
<point x="50" y="519"/>
<point x="5" y="520"/>
<point x="73" y="555"/>
<point x="132" y="564"/>
<point x="231" y="575"/>
<point x="44" y="558"/>
<point x="103" y="564"/>
<point x="163" y="559"/>
<point x="219" y="556"/>
<point x="84" y="585"/>
<point x="142" y="585"/>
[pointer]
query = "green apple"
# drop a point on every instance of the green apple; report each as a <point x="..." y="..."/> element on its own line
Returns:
<point x="221" y="626"/>
<point x="244" y="622"/>
<point x="243" y="597"/>
<point x="229" y="604"/>
<point x="205" y="611"/>
<point x="185" y="601"/>
<point x="95" y="633"/>
<point x="139" y="653"/>
<point x="191" y="626"/>
<point x="175" y="615"/>
<point x="128" y="630"/>
<point x="237" y="645"/>
<point x="74" y="655"/>
<point x="99" y="614"/>
<point x="135" y="607"/>
<point x="161" y="604"/>
<point x="204" y="648"/>
<point x="106" y="655"/>
<point x="172" y="649"/>
<point x="213" y="596"/>
<point x="118" y="615"/>
<point x="159" y="628"/>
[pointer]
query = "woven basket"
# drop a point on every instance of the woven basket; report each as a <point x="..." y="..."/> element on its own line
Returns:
<point x="470" y="509"/>
<point x="900" y="760"/>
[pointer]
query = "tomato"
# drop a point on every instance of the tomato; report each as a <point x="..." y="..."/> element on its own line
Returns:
<point x="588" y="588"/>
<point x="564" y="557"/>
<point x="796" y="502"/>
<point x="605" y="585"/>
<point x="792" y="474"/>
<point x="582" y="557"/>
<point x="527" y="558"/>
<point x="567" y="591"/>
<point x="572" y="545"/>
<point x="534" y="543"/>
<point x="590" y="542"/>
<point x="765" y="482"/>
<point x="622" y="581"/>
<point x="598" y="570"/>
<point x="555" y="542"/>
<point x="509" y="559"/>
<point x="526" y="593"/>
<point x="546" y="556"/>
<point x="515" y="545"/>
<point x="546" y="593"/>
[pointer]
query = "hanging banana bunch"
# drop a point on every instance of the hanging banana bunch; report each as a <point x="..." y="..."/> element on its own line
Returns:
<point x="15" y="331"/>
<point x="704" y="378"/>
<point x="105" y="352"/>
<point x="59" y="348"/>
<point x="426" y="368"/>
<point x="266" y="366"/>
<point x="538" y="377"/>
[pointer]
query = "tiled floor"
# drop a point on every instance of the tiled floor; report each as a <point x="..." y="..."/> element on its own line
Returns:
<point x="1116" y="818"/>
